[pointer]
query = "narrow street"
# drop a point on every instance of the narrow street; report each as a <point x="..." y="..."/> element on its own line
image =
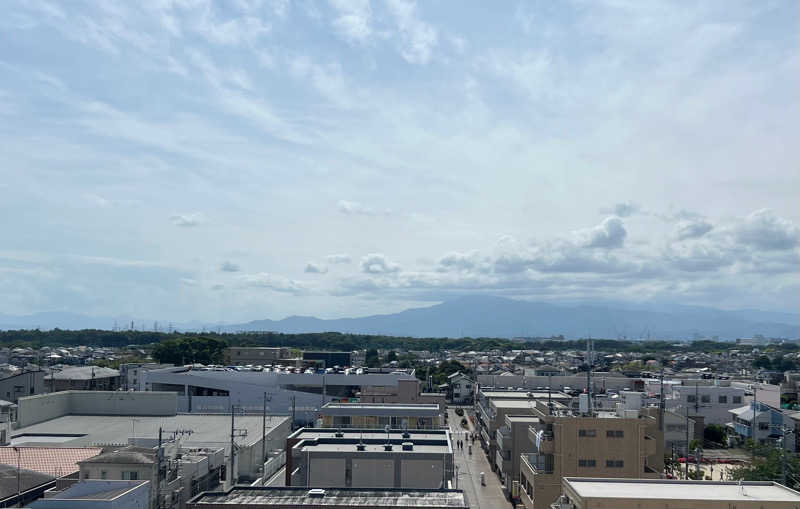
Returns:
<point x="469" y="469"/>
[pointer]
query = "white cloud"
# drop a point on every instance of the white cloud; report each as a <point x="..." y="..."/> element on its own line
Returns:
<point x="417" y="38"/>
<point x="378" y="264"/>
<point x="314" y="268"/>
<point x="609" y="234"/>
<point x="339" y="258"/>
<point x="187" y="220"/>
<point x="273" y="282"/>
<point x="765" y="230"/>
<point x="692" y="229"/>
<point x="354" y="20"/>
<point x="358" y="209"/>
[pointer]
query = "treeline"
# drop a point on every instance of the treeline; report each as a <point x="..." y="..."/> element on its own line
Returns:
<point x="347" y="342"/>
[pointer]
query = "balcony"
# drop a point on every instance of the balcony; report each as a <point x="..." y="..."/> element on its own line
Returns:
<point x="485" y="413"/>
<point x="539" y="463"/>
<point x="485" y="437"/>
<point x="649" y="445"/>
<point x="502" y="459"/>
<point x="503" y="437"/>
<point x="542" y="439"/>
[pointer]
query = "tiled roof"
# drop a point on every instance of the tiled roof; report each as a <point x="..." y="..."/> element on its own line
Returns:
<point x="56" y="461"/>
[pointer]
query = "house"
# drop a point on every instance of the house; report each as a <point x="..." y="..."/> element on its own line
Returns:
<point x="460" y="389"/>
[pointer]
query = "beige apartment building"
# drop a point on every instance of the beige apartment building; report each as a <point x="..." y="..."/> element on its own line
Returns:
<point x="622" y="444"/>
<point x="583" y="493"/>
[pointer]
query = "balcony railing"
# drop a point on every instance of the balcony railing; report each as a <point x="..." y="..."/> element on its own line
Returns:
<point x="539" y="463"/>
<point x="503" y="437"/>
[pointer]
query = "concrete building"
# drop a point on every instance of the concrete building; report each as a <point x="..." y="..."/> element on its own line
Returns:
<point x="627" y="443"/>
<point x="405" y="392"/>
<point x="513" y="440"/>
<point x="18" y="385"/>
<point x="300" y="394"/>
<point x="83" y="378"/>
<point x="251" y="497"/>
<point x="408" y="459"/>
<point x="584" y="493"/>
<point x="493" y="405"/>
<point x="708" y="404"/>
<point x="96" y="494"/>
<point x="675" y="433"/>
<point x="131" y="374"/>
<point x="380" y="415"/>
<point x="83" y="418"/>
<point x="601" y="382"/>
<point x="256" y="356"/>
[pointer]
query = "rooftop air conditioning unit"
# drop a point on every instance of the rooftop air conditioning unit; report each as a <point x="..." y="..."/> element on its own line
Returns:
<point x="361" y="447"/>
<point x="387" y="447"/>
<point x="316" y="493"/>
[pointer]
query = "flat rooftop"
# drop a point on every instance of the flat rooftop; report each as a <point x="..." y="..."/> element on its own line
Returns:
<point x="370" y="434"/>
<point x="657" y="489"/>
<point x="376" y="448"/>
<point x="513" y="403"/>
<point x="521" y="418"/>
<point x="90" y="430"/>
<point x="524" y="395"/>
<point x="339" y="497"/>
<point x="425" y="410"/>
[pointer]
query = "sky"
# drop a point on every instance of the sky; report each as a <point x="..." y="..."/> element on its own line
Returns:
<point x="238" y="160"/>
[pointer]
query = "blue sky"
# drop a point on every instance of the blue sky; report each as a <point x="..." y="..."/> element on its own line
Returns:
<point x="225" y="161"/>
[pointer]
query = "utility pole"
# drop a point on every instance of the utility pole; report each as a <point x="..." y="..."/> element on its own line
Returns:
<point x="661" y="402"/>
<point x="264" y="442"/>
<point x="160" y="459"/>
<point x="753" y="426"/>
<point x="687" y="441"/>
<point x="235" y="432"/>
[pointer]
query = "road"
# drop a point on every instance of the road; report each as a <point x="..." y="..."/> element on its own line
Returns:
<point x="470" y="468"/>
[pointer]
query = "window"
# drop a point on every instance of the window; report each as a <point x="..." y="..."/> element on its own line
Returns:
<point x="763" y="425"/>
<point x="587" y="463"/>
<point x="615" y="463"/>
<point x="131" y="475"/>
<point x="587" y="433"/>
<point x="691" y="398"/>
<point x="615" y="433"/>
<point x="737" y="400"/>
<point x="723" y="399"/>
<point x="705" y="398"/>
<point x="103" y="474"/>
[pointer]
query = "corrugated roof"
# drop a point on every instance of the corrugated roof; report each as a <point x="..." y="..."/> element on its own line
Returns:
<point x="55" y="461"/>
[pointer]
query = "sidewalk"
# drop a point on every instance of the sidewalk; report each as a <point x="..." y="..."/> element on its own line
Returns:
<point x="470" y="467"/>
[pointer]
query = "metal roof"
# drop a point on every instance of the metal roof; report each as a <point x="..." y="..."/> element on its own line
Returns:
<point x="339" y="497"/>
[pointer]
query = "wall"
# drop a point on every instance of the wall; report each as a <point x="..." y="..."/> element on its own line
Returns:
<point x="559" y="382"/>
<point x="327" y="472"/>
<point x="136" y="498"/>
<point x="373" y="473"/>
<point x="24" y="384"/>
<point x="35" y="409"/>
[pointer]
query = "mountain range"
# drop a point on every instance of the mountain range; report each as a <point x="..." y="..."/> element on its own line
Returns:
<point x="484" y="316"/>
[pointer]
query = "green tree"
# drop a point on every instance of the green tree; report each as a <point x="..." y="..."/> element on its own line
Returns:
<point x="371" y="359"/>
<point x="715" y="435"/>
<point x="391" y="356"/>
<point x="184" y="350"/>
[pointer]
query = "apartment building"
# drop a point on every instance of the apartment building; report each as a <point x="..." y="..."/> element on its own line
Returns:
<point x="492" y="406"/>
<point x="582" y="493"/>
<point x="623" y="444"/>
<point x="710" y="404"/>
<point x="404" y="391"/>
<point x="513" y="440"/>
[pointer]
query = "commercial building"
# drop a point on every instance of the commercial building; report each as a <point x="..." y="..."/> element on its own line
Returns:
<point x="300" y="394"/>
<point x="96" y="494"/>
<point x="256" y="356"/>
<point x="83" y="378"/>
<point x="405" y="391"/>
<point x="131" y="374"/>
<point x="407" y="459"/>
<point x="328" y="359"/>
<point x="627" y="443"/>
<point x="590" y="493"/>
<point x="251" y="497"/>
<point x="380" y="415"/>
<point x="83" y="418"/>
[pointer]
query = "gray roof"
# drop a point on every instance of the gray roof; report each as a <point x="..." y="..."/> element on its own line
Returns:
<point x="388" y="409"/>
<point x="123" y="456"/>
<point x="28" y="480"/>
<point x="83" y="373"/>
<point x="663" y="489"/>
<point x="339" y="497"/>
<point x="207" y="429"/>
